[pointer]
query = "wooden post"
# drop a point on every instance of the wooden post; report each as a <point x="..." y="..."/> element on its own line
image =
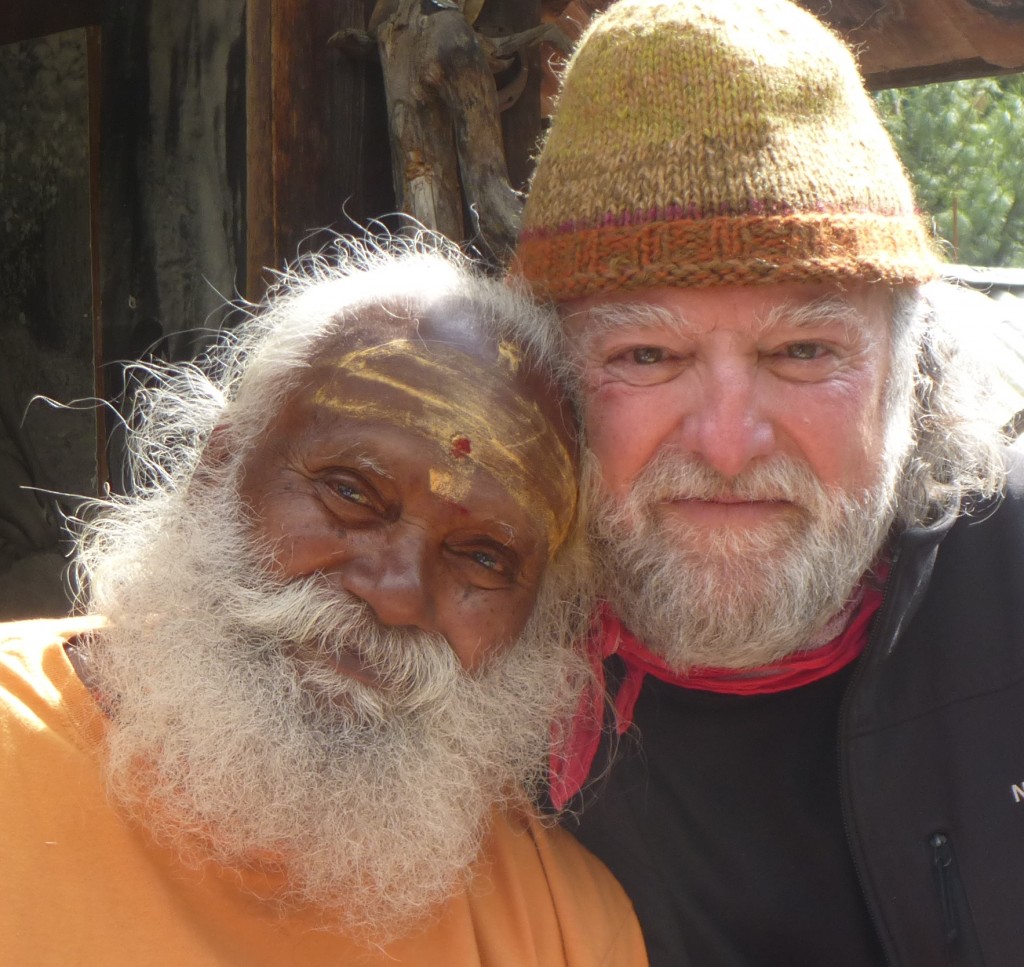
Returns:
<point x="317" y="146"/>
<point x="445" y="131"/>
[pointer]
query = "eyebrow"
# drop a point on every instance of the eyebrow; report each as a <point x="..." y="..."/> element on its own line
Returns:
<point x="825" y="310"/>
<point x="366" y="462"/>
<point x="605" y="319"/>
<point x="357" y="454"/>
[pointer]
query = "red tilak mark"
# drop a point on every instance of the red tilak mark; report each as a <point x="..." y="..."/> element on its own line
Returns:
<point x="461" y="447"/>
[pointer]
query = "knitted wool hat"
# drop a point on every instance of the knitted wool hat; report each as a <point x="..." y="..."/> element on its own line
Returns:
<point x="716" y="142"/>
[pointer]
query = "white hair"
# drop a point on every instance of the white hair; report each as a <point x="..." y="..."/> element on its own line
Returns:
<point x="240" y="383"/>
<point x="955" y="458"/>
<point x="953" y="446"/>
<point x="224" y="746"/>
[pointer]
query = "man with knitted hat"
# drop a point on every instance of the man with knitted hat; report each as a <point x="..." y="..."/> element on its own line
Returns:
<point x="811" y="535"/>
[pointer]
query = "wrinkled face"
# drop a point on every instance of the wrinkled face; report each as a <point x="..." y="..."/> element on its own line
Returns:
<point x="426" y="473"/>
<point x="735" y="376"/>
<point x="746" y="461"/>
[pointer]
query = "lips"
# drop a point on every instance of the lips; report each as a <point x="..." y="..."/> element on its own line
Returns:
<point x="726" y="510"/>
<point x="352" y="666"/>
<point x="347" y="663"/>
<point x="730" y="497"/>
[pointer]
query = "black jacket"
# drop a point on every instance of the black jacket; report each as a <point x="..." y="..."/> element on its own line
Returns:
<point x="929" y="784"/>
<point x="932" y="745"/>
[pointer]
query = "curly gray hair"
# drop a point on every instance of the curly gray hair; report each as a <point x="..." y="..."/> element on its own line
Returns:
<point x="240" y="383"/>
<point x="956" y="456"/>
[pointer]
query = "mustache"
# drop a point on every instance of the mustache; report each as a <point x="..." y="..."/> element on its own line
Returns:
<point x="672" y="475"/>
<point x="317" y="627"/>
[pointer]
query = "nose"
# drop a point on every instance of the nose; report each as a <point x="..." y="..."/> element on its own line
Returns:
<point x="729" y="426"/>
<point x="392" y="577"/>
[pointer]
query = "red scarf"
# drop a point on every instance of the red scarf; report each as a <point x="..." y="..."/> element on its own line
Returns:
<point x="570" y="766"/>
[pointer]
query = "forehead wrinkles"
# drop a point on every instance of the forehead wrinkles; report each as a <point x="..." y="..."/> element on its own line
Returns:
<point x="506" y="434"/>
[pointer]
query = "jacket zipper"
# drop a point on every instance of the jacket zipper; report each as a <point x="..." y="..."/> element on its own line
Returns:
<point x="951" y="890"/>
<point x="844" y="793"/>
<point x="945" y="868"/>
<point x="962" y="946"/>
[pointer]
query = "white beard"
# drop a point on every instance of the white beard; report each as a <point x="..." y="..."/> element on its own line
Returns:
<point x="373" y="801"/>
<point x="734" y="598"/>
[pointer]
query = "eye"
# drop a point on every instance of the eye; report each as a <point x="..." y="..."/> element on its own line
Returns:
<point x="350" y="497"/>
<point x="805" y="350"/>
<point x="643" y="365"/>
<point x="805" y="361"/>
<point x="485" y="564"/>
<point x="484" y="559"/>
<point x="351" y="493"/>
<point x="648" y="355"/>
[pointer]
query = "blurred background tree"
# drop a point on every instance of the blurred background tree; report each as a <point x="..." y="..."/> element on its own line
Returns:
<point x="963" y="145"/>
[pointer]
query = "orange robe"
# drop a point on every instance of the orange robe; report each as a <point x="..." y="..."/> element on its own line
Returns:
<point x="80" y="886"/>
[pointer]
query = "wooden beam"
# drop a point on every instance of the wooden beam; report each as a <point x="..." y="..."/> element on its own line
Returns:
<point x="520" y="124"/>
<point x="94" y="79"/>
<point x="850" y="14"/>
<point x="445" y="127"/>
<point x="424" y="159"/>
<point x="924" y="41"/>
<point x="27" y="19"/>
<point x="935" y="74"/>
<point x="260" y="200"/>
<point x="317" y="148"/>
<point x="900" y="42"/>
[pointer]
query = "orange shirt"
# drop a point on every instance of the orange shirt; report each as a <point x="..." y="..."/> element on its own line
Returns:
<point x="79" y="886"/>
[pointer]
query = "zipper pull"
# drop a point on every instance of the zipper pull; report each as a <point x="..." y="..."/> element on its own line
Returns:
<point x="942" y="860"/>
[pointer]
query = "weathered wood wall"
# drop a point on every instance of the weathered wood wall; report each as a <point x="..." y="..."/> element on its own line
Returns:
<point x="46" y="344"/>
<point x="317" y="151"/>
<point x="231" y="134"/>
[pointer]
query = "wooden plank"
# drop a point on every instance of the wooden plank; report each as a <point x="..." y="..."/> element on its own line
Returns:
<point x="94" y="61"/>
<point x="999" y="39"/>
<point x="27" y="19"/>
<point x="851" y="14"/>
<point x="260" y="200"/>
<point x="899" y="42"/>
<point x="929" y="40"/>
<point x="424" y="159"/>
<point x="171" y="197"/>
<point x="934" y="74"/>
<point x="329" y="150"/>
<point x="520" y="124"/>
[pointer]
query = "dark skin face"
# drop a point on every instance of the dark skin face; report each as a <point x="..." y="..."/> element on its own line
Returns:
<point x="421" y="468"/>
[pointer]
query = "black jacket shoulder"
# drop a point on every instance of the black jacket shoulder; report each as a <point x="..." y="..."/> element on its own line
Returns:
<point x="932" y="744"/>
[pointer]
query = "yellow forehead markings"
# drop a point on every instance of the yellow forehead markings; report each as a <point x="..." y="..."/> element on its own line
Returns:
<point x="511" y="355"/>
<point x="510" y="439"/>
<point x="452" y="486"/>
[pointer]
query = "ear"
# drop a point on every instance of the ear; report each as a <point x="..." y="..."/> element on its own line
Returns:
<point x="214" y="457"/>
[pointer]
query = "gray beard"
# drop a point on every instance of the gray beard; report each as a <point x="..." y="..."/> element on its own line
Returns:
<point x="229" y="747"/>
<point x="735" y="599"/>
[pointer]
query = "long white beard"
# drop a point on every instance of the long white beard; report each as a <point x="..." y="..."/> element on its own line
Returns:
<point x="734" y="598"/>
<point x="225" y="745"/>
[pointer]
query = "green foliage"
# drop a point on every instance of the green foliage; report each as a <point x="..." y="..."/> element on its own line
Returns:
<point x="963" y="145"/>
